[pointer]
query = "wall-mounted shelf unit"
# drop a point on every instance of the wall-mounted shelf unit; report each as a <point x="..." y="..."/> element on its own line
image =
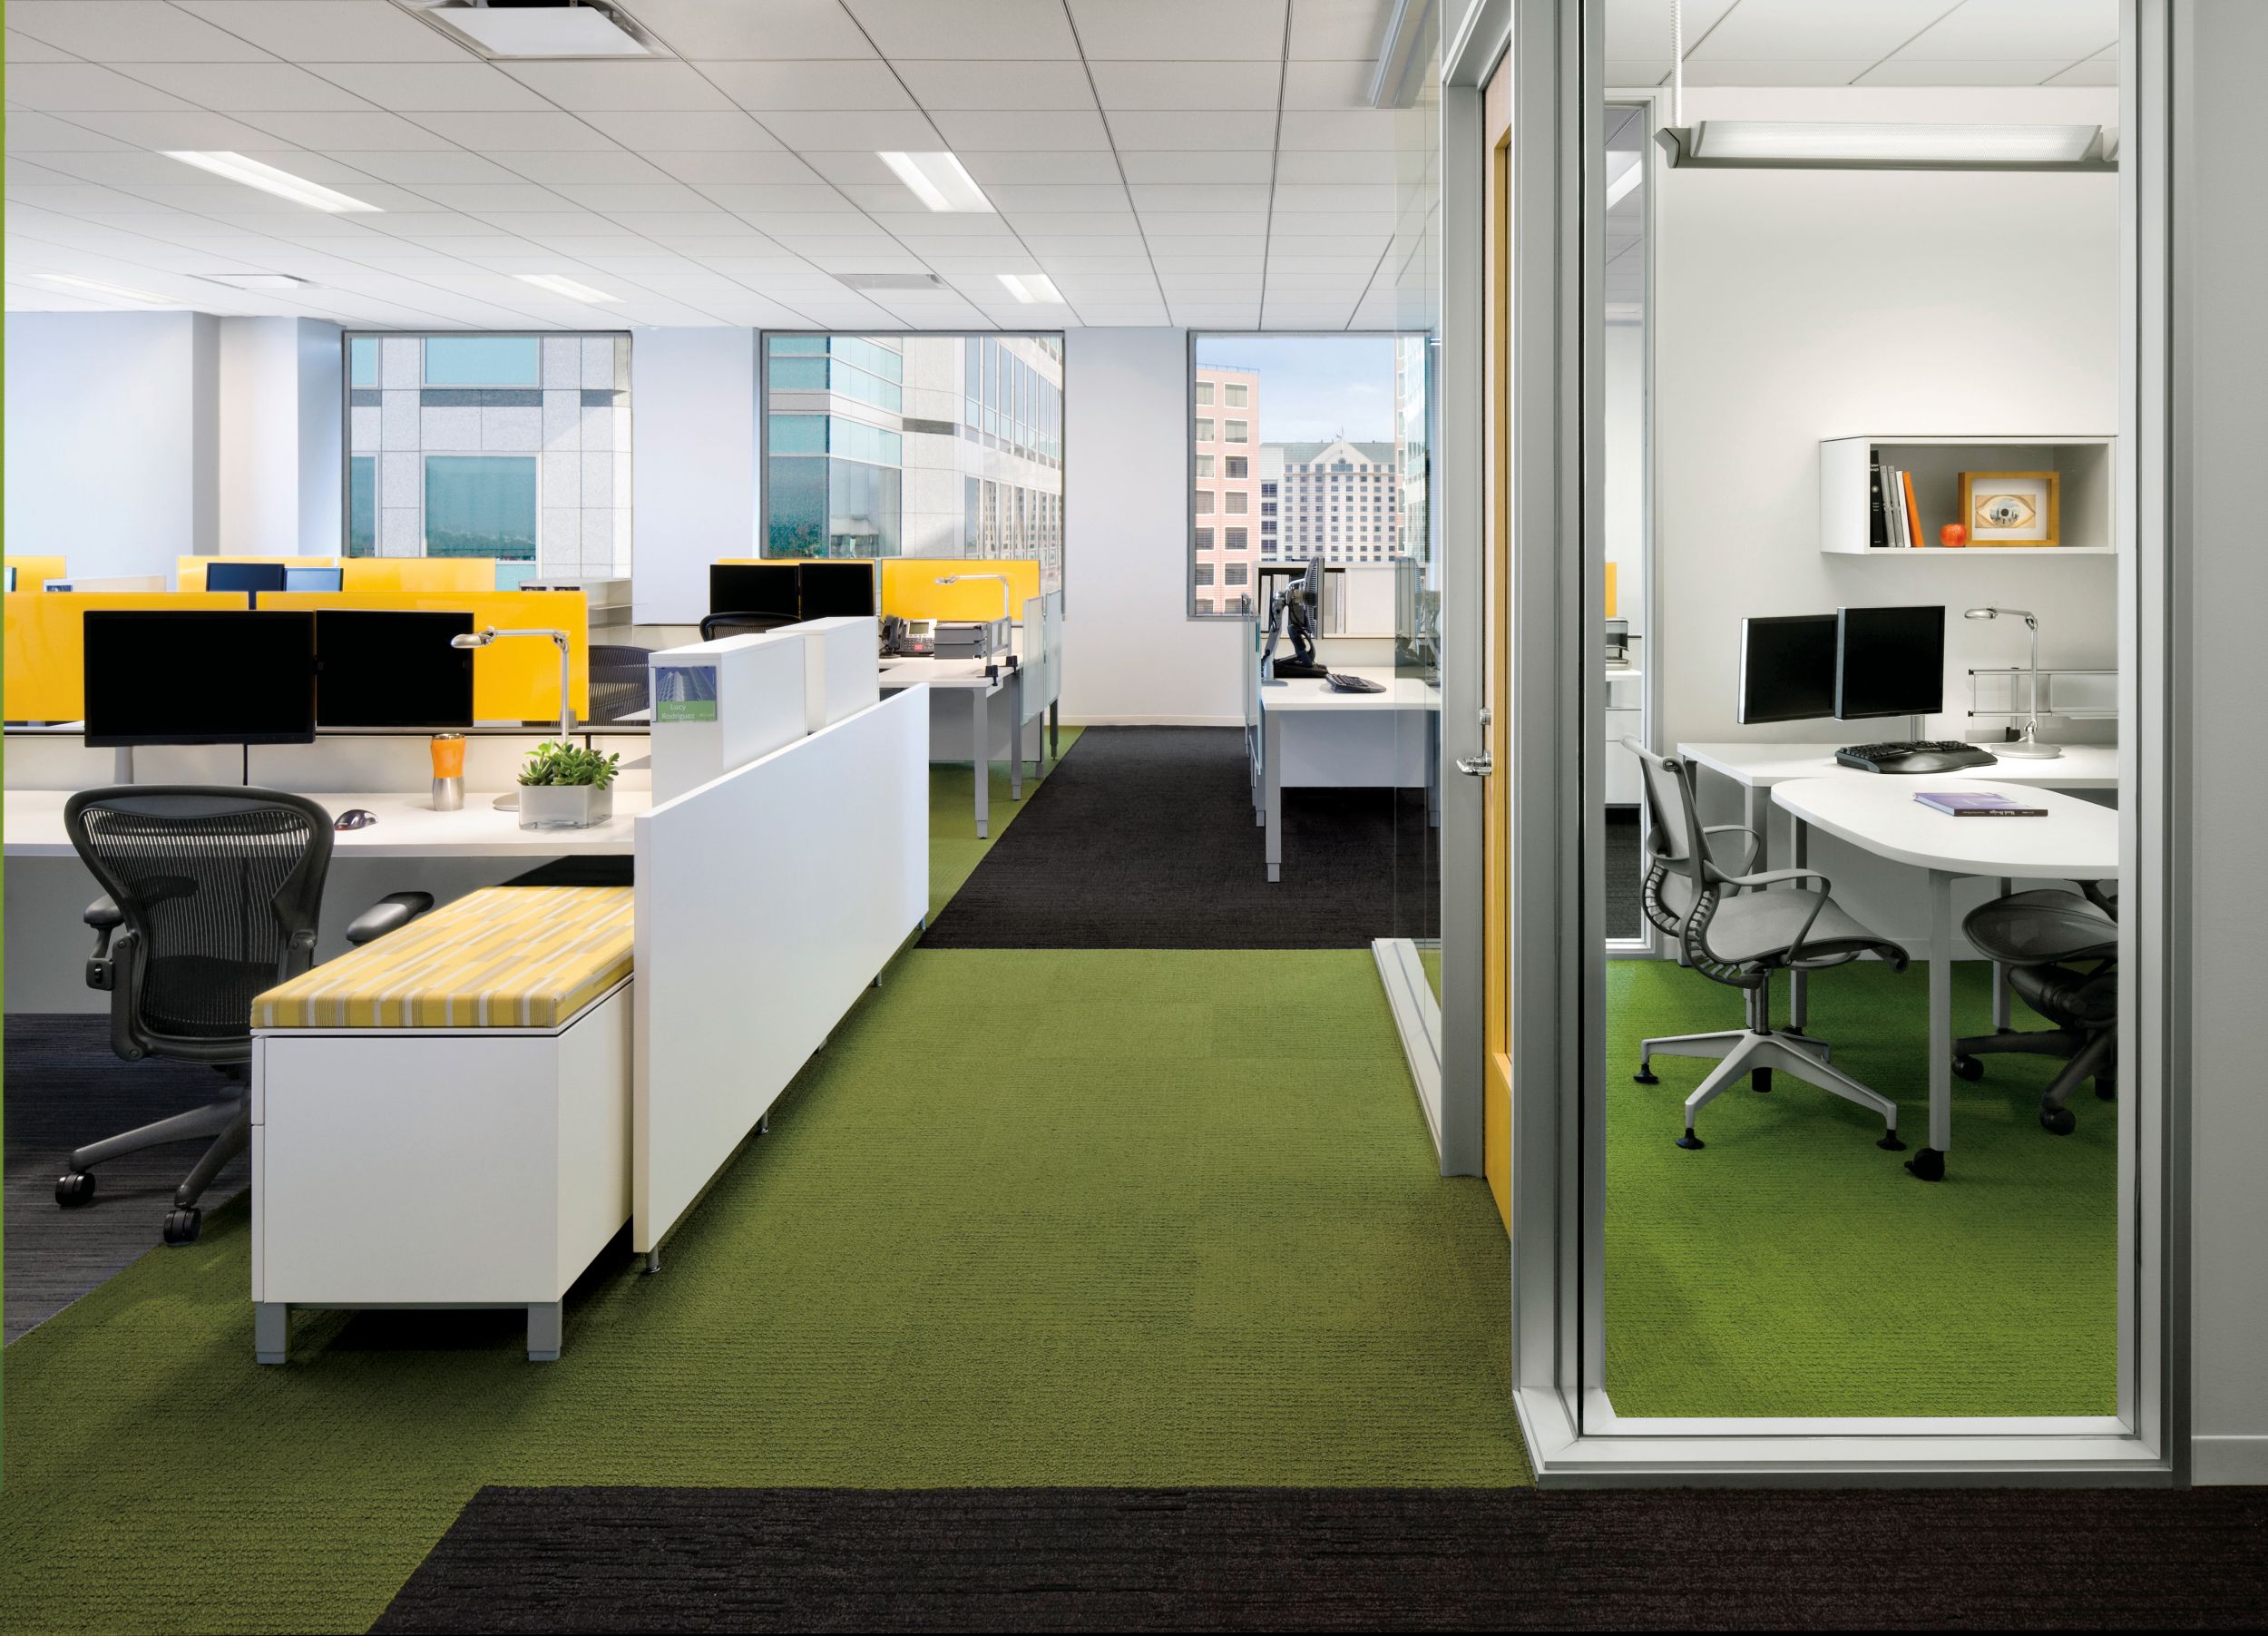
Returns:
<point x="2086" y="465"/>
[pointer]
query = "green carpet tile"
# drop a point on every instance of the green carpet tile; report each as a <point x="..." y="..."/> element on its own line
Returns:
<point x="955" y="850"/>
<point x="1793" y="1268"/>
<point x="1032" y="1218"/>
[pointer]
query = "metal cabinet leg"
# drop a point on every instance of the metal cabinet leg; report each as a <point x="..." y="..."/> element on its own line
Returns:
<point x="1055" y="730"/>
<point x="2003" y="1007"/>
<point x="982" y="725"/>
<point x="1929" y="1164"/>
<point x="271" y="1332"/>
<point x="1015" y="734"/>
<point x="545" y="1324"/>
<point x="1272" y="780"/>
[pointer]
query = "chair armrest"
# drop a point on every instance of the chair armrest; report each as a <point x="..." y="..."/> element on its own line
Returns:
<point x="1775" y="877"/>
<point x="1754" y="840"/>
<point x="390" y="914"/>
<point x="103" y="914"/>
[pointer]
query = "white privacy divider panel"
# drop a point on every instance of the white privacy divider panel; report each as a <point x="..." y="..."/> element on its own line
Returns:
<point x="767" y="901"/>
<point x="719" y="705"/>
<point x="844" y="670"/>
<point x="1042" y="652"/>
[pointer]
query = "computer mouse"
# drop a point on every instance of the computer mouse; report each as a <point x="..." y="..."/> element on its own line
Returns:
<point x="355" y="818"/>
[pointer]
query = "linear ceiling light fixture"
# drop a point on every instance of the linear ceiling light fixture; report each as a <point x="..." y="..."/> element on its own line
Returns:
<point x="1398" y="74"/>
<point x="939" y="181"/>
<point x="269" y="179"/>
<point x="1031" y="287"/>
<point x="559" y="285"/>
<point x="1750" y="144"/>
<point x="95" y="287"/>
<point x="545" y="28"/>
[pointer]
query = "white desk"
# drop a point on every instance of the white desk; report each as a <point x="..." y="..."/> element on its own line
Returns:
<point x="2078" y="840"/>
<point x="1314" y="737"/>
<point x="982" y="682"/>
<point x="407" y="827"/>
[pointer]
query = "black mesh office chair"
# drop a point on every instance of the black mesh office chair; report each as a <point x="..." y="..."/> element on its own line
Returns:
<point x="1732" y="929"/>
<point x="2061" y="952"/>
<point x="620" y="682"/>
<point x="210" y="898"/>
<point x="712" y="624"/>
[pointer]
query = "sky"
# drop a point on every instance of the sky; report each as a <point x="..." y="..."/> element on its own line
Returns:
<point x="1314" y="387"/>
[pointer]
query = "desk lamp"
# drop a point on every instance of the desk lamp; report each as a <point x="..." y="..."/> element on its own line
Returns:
<point x="510" y="800"/>
<point x="1007" y="590"/>
<point x="2025" y="745"/>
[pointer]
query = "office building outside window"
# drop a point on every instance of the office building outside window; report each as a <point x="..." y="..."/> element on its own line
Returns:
<point x="1230" y="492"/>
<point x="932" y="446"/>
<point x="513" y="446"/>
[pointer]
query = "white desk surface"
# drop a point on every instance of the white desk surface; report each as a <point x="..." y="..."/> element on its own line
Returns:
<point x="1314" y="694"/>
<point x="1761" y="766"/>
<point x="2078" y="840"/>
<point x="407" y="827"/>
<point x="898" y="675"/>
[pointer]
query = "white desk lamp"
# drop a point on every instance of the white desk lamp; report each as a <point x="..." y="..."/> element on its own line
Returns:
<point x="1007" y="590"/>
<point x="2026" y="745"/>
<point x="510" y="800"/>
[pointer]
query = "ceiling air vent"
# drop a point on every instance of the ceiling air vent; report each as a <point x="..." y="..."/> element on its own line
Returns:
<point x="537" y="28"/>
<point x="890" y="280"/>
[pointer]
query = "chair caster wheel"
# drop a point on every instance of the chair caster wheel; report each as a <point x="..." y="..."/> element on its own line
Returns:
<point x="1889" y="1143"/>
<point x="1690" y="1141"/>
<point x="1646" y="1076"/>
<point x="1760" y="1079"/>
<point x="1928" y="1165"/>
<point x="2058" y="1121"/>
<point x="74" y="1189"/>
<point x="2105" y="1092"/>
<point x="182" y="1226"/>
<point x="1968" y="1068"/>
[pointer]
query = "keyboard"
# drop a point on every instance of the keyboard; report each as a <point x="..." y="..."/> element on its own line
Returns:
<point x="1928" y="755"/>
<point x="1340" y="683"/>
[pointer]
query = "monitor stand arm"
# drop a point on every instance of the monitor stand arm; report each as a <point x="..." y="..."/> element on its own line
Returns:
<point x="123" y="764"/>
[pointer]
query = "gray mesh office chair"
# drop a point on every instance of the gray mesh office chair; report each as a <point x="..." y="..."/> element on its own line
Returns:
<point x="1734" y="931"/>
<point x="210" y="898"/>
<point x="2045" y="939"/>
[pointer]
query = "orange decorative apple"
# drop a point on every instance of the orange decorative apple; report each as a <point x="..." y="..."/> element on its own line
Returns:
<point x="1952" y="534"/>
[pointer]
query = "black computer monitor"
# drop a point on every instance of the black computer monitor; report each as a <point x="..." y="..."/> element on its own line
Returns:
<point x="833" y="590"/>
<point x="1787" y="668"/>
<point x="244" y="576"/>
<point x="392" y="669"/>
<point x="767" y="588"/>
<point x="212" y="676"/>
<point x="1889" y="662"/>
<point x="314" y="579"/>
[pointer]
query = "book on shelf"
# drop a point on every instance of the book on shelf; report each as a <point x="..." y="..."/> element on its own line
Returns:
<point x="1894" y="507"/>
<point x="1877" y="529"/>
<point x="1976" y="803"/>
<point x="1913" y="512"/>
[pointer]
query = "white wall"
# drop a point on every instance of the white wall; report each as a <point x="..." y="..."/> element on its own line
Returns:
<point x="281" y="452"/>
<point x="111" y="429"/>
<point x="2225" y="243"/>
<point x="1131" y="654"/>
<point x="694" y="484"/>
<point x="1796" y="306"/>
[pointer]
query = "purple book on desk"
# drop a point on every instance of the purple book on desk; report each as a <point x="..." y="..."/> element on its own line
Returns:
<point x="1976" y="803"/>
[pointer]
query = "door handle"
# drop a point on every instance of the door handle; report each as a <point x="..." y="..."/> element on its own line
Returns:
<point x="1476" y="767"/>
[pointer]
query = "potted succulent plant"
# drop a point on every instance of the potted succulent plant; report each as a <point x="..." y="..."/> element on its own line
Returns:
<point x="566" y="786"/>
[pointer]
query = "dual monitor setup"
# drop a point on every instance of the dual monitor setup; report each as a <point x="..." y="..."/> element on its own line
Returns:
<point x="229" y="677"/>
<point x="1854" y="664"/>
<point x="256" y="577"/>
<point x="763" y="596"/>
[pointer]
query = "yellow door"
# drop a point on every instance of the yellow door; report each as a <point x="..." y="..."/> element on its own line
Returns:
<point x="1496" y="1116"/>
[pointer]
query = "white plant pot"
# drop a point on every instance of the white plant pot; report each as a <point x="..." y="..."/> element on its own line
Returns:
<point x="564" y="806"/>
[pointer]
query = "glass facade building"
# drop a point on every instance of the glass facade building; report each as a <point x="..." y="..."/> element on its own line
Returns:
<point x="940" y="445"/>
<point x="515" y="446"/>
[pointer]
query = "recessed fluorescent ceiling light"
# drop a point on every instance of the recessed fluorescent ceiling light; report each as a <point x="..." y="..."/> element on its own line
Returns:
<point x="560" y="286"/>
<point x="541" y="31"/>
<point x="938" y="180"/>
<point x="1621" y="186"/>
<point x="1031" y="287"/>
<point x="95" y="287"/>
<point x="269" y="179"/>
<point x="256" y="280"/>
<point x="1743" y="139"/>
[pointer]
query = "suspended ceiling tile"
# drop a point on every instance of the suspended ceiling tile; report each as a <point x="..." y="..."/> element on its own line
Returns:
<point x="1148" y="30"/>
<point x="622" y="87"/>
<point x="990" y="87"/>
<point x="326" y="31"/>
<point x="793" y="86"/>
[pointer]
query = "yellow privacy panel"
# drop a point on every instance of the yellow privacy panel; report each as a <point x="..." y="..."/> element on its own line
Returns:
<point x="910" y="588"/>
<point x="47" y="644"/>
<point x="422" y="573"/>
<point x="514" y="680"/>
<point x="33" y="573"/>
<point x="188" y="572"/>
<point x="1610" y="590"/>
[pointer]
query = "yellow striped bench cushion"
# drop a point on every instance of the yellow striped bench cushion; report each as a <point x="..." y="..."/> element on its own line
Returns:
<point x="501" y="957"/>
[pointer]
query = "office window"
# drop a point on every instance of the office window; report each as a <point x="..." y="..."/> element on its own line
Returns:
<point x="1237" y="430"/>
<point x="1204" y="574"/>
<point x="517" y="446"/>
<point x="1235" y="395"/>
<point x="1205" y="539"/>
<point x="932" y="445"/>
<point x="1204" y="466"/>
<point x="1236" y="502"/>
<point x="1204" y="431"/>
<point x="1239" y="466"/>
<point x="1204" y="503"/>
<point x="1235" y="574"/>
<point x="1204" y="392"/>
